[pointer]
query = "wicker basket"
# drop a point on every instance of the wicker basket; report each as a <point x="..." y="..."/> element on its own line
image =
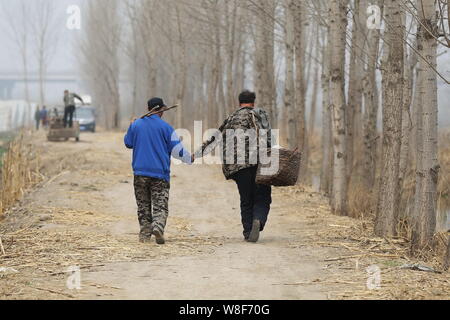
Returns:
<point x="288" y="172"/>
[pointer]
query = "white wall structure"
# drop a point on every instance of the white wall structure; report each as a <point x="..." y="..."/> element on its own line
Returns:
<point x="16" y="114"/>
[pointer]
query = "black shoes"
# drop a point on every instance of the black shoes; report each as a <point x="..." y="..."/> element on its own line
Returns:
<point x="159" y="237"/>
<point x="254" y="234"/>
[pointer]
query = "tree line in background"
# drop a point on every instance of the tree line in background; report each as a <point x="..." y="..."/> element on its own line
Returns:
<point x="33" y="27"/>
<point x="300" y="56"/>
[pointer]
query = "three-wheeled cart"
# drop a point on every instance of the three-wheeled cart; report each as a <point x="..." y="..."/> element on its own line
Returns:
<point x="57" y="131"/>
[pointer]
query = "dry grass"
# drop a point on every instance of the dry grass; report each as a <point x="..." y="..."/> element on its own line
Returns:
<point x="41" y="256"/>
<point x="350" y="248"/>
<point x="359" y="239"/>
<point x="365" y="250"/>
<point x="361" y="202"/>
<point x="68" y="244"/>
<point x="315" y="153"/>
<point x="20" y="170"/>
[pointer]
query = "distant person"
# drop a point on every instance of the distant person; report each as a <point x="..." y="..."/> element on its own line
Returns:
<point x="44" y="116"/>
<point x="55" y="113"/>
<point x="69" y="107"/>
<point x="37" y="118"/>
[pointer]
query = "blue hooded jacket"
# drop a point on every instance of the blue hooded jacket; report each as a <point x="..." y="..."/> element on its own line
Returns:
<point x="153" y="142"/>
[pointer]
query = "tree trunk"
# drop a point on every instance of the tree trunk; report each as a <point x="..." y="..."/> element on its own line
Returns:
<point x="370" y="119"/>
<point x="418" y="103"/>
<point x="298" y="9"/>
<point x="447" y="257"/>
<point x="325" y="176"/>
<point x="408" y="83"/>
<point x="264" y="57"/>
<point x="336" y="41"/>
<point x="213" y="84"/>
<point x="393" y="71"/>
<point x="289" y="126"/>
<point x="355" y="85"/>
<point x="425" y="225"/>
<point x="182" y="60"/>
<point x="231" y="53"/>
<point x="315" y="91"/>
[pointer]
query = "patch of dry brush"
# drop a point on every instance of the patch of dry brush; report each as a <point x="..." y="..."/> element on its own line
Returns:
<point x="353" y="248"/>
<point x="19" y="172"/>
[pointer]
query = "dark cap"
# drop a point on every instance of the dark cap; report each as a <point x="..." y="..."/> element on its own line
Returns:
<point x="155" y="104"/>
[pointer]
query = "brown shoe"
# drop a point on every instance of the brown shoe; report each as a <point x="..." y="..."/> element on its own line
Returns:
<point x="159" y="237"/>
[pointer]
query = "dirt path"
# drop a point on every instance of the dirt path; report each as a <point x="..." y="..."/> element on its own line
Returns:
<point x="231" y="269"/>
<point x="85" y="216"/>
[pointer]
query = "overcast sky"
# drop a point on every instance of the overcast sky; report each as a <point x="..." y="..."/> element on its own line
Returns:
<point x="64" y="58"/>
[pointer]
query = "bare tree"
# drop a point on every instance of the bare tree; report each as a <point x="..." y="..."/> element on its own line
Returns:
<point x="264" y="55"/>
<point x="424" y="224"/>
<point x="100" y="49"/>
<point x="327" y="147"/>
<point x="182" y="63"/>
<point x="315" y="47"/>
<point x="355" y="98"/>
<point x="393" y="71"/>
<point x="407" y="119"/>
<point x="19" y="32"/>
<point x="45" y="34"/>
<point x="299" y="12"/>
<point x="371" y="102"/>
<point x="290" y="124"/>
<point x="336" y="43"/>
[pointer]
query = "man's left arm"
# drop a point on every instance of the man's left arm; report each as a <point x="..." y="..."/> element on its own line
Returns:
<point x="78" y="97"/>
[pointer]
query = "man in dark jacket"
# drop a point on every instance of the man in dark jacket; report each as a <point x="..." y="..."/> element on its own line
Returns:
<point x="154" y="142"/>
<point x="239" y="140"/>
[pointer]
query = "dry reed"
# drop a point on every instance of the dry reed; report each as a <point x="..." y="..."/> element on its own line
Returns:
<point x="20" y="171"/>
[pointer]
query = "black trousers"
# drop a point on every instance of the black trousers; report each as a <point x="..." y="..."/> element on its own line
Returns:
<point x="255" y="199"/>
<point x="68" y="116"/>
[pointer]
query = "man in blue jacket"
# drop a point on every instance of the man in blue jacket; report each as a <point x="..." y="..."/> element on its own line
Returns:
<point x="153" y="142"/>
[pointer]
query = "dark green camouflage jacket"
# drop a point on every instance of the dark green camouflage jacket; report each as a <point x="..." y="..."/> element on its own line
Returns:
<point x="239" y="140"/>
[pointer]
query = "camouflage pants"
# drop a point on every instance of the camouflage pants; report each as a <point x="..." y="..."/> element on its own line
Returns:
<point x="152" y="197"/>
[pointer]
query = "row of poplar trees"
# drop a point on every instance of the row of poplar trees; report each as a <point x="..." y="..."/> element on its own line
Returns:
<point x="351" y="59"/>
<point x="403" y="48"/>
